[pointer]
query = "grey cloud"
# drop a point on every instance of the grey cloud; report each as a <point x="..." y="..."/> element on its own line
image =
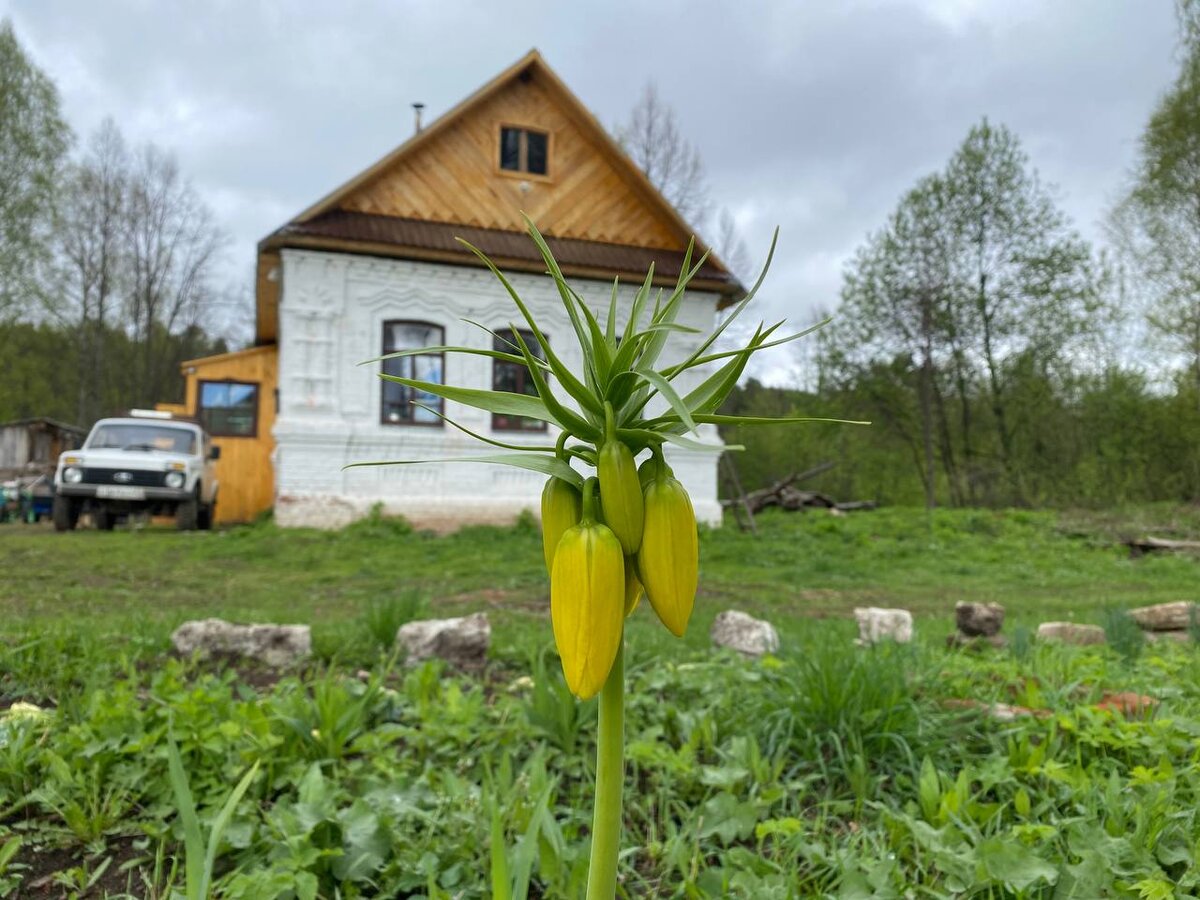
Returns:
<point x="812" y="116"/>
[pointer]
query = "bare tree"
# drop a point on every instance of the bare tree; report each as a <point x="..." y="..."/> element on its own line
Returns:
<point x="730" y="247"/>
<point x="91" y="255"/>
<point x="173" y="244"/>
<point x="652" y="138"/>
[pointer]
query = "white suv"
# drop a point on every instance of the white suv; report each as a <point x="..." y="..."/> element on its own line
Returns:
<point x="146" y="462"/>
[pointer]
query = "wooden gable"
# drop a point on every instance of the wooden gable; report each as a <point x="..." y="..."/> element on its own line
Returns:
<point x="592" y="201"/>
<point x="450" y="172"/>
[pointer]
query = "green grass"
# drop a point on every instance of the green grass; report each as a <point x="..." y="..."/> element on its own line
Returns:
<point x="1040" y="565"/>
<point x="826" y="772"/>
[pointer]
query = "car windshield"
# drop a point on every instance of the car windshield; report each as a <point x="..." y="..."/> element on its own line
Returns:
<point x="129" y="436"/>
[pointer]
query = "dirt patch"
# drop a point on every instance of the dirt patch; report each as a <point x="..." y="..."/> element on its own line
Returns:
<point x="56" y="872"/>
<point x="500" y="598"/>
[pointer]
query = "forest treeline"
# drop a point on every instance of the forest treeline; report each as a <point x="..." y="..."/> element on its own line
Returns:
<point x="1001" y="358"/>
<point x="108" y="261"/>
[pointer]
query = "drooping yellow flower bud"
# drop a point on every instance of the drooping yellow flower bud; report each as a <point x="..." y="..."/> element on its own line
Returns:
<point x="587" y="590"/>
<point x="633" y="587"/>
<point x="669" y="558"/>
<point x="562" y="506"/>
<point x="620" y="490"/>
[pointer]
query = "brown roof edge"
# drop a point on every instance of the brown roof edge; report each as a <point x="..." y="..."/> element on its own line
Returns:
<point x="393" y="237"/>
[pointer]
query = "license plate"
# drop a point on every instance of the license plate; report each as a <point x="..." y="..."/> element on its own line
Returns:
<point x="120" y="492"/>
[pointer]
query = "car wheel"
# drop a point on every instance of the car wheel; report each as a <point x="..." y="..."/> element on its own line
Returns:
<point x="187" y="515"/>
<point x="65" y="513"/>
<point x="104" y="519"/>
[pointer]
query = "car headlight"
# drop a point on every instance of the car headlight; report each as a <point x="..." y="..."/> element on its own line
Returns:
<point x="174" y="480"/>
<point x="72" y="475"/>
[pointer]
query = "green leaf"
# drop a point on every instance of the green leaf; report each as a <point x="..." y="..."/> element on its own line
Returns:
<point x="474" y="351"/>
<point x="547" y="465"/>
<point x="724" y="354"/>
<point x="572" y="385"/>
<point x="737" y="310"/>
<point x="193" y="838"/>
<point x="664" y="387"/>
<point x="713" y="419"/>
<point x="570" y="420"/>
<point x="501" y="881"/>
<point x="221" y="822"/>
<point x="1013" y="864"/>
<point x="610" y="325"/>
<point x="528" y="448"/>
<point x="503" y="403"/>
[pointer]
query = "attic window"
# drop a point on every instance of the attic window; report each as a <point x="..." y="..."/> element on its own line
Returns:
<point x="524" y="150"/>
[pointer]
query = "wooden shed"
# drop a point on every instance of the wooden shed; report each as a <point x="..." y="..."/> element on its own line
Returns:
<point x="233" y="396"/>
<point x="32" y="446"/>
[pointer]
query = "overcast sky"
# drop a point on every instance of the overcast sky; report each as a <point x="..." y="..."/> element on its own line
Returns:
<point x="813" y="115"/>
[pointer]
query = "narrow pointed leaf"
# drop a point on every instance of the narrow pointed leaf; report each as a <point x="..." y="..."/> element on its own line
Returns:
<point x="572" y="385"/>
<point x="714" y="419"/>
<point x="571" y="420"/>
<point x="474" y="351"/>
<point x="531" y="448"/>
<point x="534" y="462"/>
<point x="502" y="402"/>
<point x="664" y="387"/>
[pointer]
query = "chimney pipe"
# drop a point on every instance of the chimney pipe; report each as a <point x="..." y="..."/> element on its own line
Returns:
<point x="417" y="107"/>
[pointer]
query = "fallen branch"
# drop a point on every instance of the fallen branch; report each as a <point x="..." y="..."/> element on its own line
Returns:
<point x="1142" y="546"/>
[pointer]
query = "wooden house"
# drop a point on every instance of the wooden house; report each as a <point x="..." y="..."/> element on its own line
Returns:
<point x="374" y="266"/>
<point x="32" y="446"/>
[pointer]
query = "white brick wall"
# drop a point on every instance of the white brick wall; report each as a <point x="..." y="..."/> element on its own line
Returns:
<point x="331" y="314"/>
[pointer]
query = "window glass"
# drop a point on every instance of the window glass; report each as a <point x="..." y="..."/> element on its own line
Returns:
<point x="523" y="150"/>
<point x="510" y="149"/>
<point x="399" y="399"/>
<point x="129" y="436"/>
<point x="535" y="152"/>
<point x="514" y="378"/>
<point x="229" y="408"/>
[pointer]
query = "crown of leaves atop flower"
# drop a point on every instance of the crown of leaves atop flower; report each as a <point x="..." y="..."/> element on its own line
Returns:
<point x="619" y="370"/>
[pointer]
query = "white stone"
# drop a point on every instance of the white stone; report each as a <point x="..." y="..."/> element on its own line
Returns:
<point x="1177" y="616"/>
<point x="876" y="624"/>
<point x="331" y="313"/>
<point x="463" y="641"/>
<point x="1071" y="633"/>
<point x="272" y="645"/>
<point x="744" y="633"/>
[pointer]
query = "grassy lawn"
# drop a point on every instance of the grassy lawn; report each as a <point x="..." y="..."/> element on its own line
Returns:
<point x="827" y="771"/>
<point x="1040" y="565"/>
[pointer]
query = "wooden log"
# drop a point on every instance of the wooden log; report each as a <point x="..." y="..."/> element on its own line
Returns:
<point x="1144" y="545"/>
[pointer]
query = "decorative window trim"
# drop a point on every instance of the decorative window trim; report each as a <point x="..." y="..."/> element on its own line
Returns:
<point x="200" y="383"/>
<point x="521" y="173"/>
<point x="497" y="419"/>
<point x="384" y="349"/>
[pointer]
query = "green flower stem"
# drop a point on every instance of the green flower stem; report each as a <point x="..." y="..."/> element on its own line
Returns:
<point x="610" y="779"/>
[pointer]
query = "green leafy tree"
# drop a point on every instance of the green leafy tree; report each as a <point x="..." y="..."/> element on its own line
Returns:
<point x="1157" y="223"/>
<point x="896" y="309"/>
<point x="33" y="144"/>
<point x="1026" y="285"/>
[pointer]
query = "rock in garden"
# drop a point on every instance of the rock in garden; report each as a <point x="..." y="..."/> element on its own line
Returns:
<point x="1181" y="637"/>
<point x="1071" y="633"/>
<point x="1129" y="704"/>
<point x="463" y="641"/>
<point x="979" y="619"/>
<point x="1165" y="616"/>
<point x="745" y="634"/>
<point x="272" y="645"/>
<point x="876" y="625"/>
